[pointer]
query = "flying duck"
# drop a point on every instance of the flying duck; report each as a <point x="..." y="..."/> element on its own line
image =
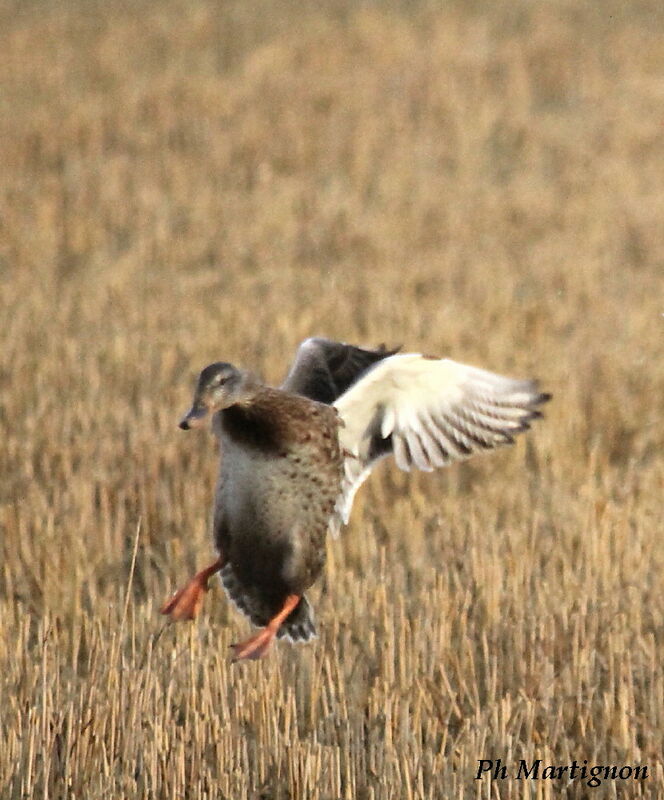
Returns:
<point x="292" y="459"/>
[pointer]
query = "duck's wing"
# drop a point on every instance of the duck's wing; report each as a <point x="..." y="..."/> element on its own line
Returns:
<point x="428" y="412"/>
<point x="323" y="369"/>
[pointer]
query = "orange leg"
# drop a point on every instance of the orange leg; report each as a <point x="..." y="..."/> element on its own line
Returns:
<point x="258" y="645"/>
<point x="187" y="602"/>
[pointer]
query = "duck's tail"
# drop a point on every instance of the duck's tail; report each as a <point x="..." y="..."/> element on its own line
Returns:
<point x="299" y="625"/>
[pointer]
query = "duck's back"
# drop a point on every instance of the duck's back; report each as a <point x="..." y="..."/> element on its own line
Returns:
<point x="280" y="477"/>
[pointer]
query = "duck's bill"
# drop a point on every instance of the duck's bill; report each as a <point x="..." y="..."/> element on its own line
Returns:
<point x="194" y="418"/>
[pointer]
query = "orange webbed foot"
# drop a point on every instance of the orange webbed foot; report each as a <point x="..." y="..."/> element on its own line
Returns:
<point x="186" y="603"/>
<point x="258" y="645"/>
<point x="253" y="648"/>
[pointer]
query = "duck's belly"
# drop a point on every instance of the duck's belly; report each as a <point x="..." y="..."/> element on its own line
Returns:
<point x="272" y="517"/>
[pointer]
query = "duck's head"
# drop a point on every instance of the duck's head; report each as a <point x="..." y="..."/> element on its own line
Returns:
<point x="219" y="386"/>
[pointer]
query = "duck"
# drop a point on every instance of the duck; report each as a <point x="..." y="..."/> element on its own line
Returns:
<point x="294" y="456"/>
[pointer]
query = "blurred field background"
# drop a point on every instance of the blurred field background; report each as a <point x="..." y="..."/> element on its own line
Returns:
<point x="182" y="182"/>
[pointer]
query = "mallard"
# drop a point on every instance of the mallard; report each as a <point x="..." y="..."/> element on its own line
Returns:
<point x="294" y="457"/>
